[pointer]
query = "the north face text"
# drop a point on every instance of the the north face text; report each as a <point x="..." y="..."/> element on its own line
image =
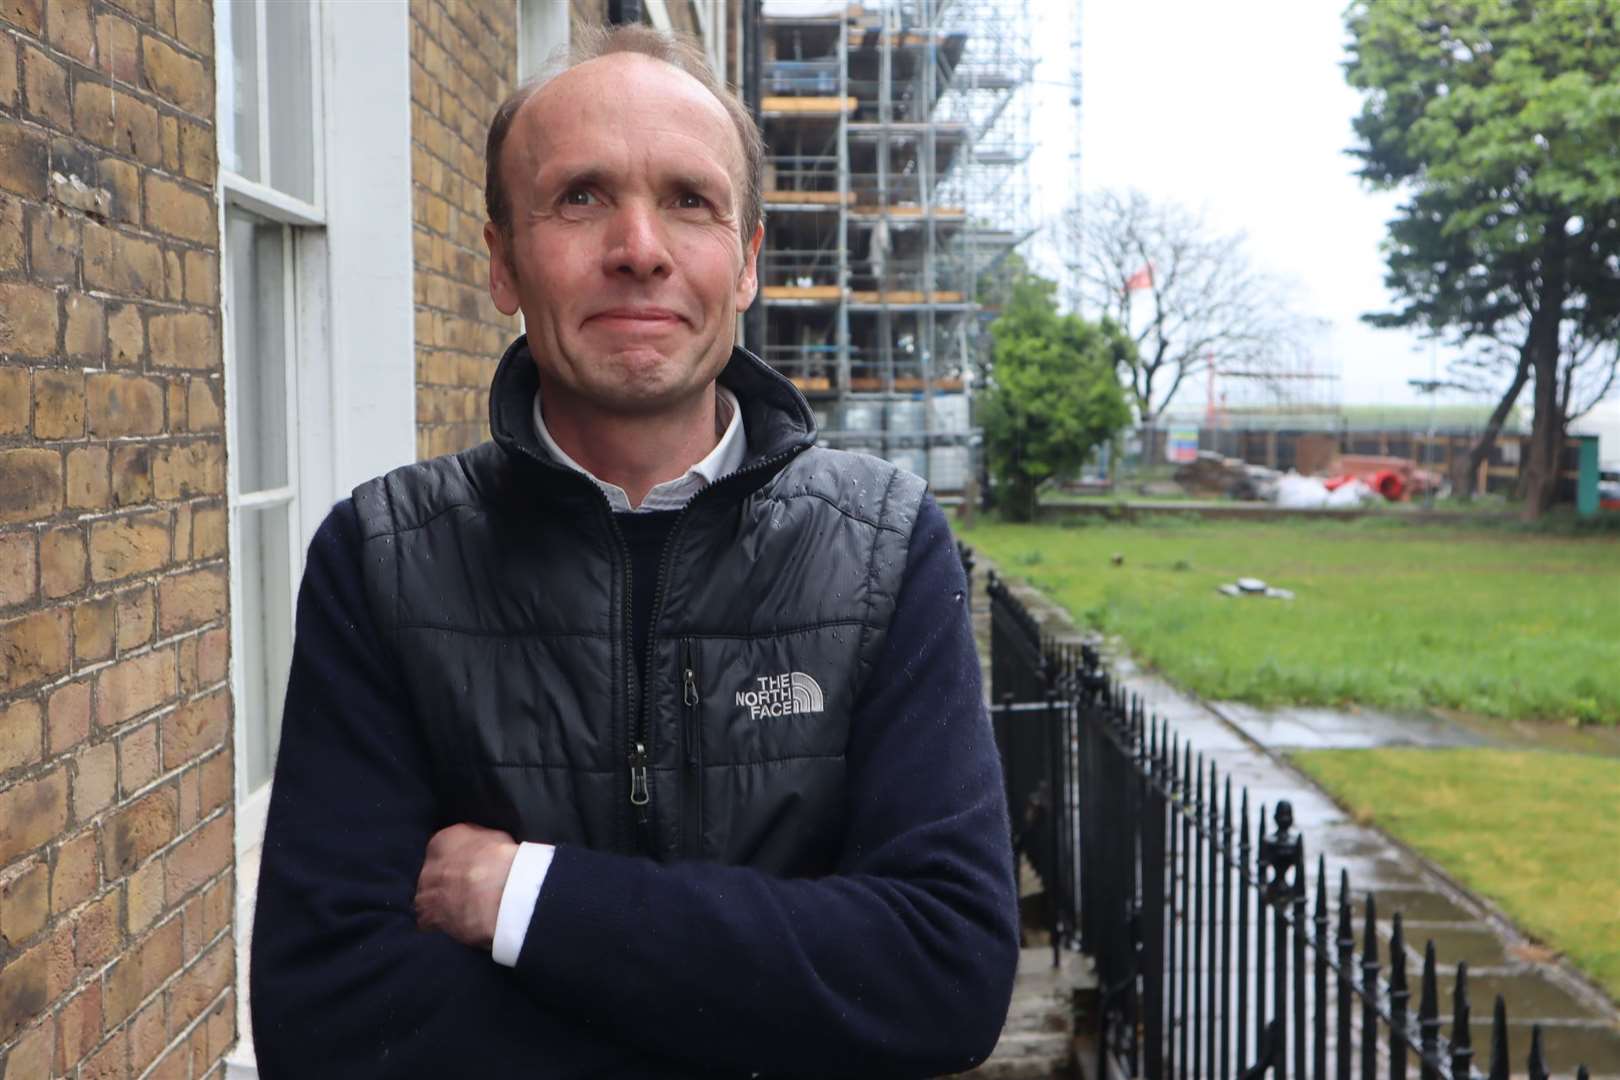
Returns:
<point x="787" y="694"/>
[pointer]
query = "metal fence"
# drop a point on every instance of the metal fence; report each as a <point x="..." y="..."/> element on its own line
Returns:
<point x="1213" y="957"/>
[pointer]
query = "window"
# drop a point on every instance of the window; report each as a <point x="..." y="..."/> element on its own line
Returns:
<point x="542" y="30"/>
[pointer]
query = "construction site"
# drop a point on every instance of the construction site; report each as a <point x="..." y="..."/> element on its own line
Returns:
<point x="897" y="136"/>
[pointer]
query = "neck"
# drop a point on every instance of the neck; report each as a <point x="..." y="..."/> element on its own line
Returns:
<point x="637" y="453"/>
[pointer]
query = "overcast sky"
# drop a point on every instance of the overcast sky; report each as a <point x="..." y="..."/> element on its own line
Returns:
<point x="1240" y="109"/>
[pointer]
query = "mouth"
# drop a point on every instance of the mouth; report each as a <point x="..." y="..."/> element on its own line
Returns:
<point x="643" y="318"/>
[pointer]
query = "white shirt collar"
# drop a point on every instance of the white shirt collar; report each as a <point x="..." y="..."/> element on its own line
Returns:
<point x="725" y="459"/>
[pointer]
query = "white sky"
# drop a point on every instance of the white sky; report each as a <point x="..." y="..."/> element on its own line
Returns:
<point x="1238" y="108"/>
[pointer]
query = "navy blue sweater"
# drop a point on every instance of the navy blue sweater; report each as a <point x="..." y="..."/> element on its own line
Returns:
<point x="900" y="964"/>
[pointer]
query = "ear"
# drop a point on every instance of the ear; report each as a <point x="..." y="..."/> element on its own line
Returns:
<point x="502" y="276"/>
<point x="748" y="281"/>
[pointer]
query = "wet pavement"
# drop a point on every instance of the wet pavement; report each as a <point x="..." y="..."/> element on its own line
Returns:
<point x="1580" y="1024"/>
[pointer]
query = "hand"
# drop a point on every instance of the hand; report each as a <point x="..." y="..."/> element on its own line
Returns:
<point x="459" y="890"/>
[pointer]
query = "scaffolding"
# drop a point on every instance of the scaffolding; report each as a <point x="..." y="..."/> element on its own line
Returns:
<point x="898" y="139"/>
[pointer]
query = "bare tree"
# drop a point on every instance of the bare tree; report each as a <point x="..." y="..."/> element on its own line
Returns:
<point x="1186" y="294"/>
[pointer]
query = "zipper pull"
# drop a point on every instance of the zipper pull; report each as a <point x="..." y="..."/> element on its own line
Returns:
<point x="690" y="680"/>
<point x="638" y="776"/>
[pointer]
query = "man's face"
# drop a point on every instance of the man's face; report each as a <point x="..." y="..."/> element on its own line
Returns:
<point x="625" y="255"/>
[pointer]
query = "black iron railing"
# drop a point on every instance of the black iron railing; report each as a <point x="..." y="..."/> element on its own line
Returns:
<point x="1213" y="959"/>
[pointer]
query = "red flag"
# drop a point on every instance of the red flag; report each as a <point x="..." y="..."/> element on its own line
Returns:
<point x="1142" y="279"/>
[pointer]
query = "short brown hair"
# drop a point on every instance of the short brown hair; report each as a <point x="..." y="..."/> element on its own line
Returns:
<point x="677" y="50"/>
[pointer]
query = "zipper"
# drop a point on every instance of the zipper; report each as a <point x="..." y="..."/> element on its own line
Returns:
<point x="641" y="734"/>
<point x="692" y="735"/>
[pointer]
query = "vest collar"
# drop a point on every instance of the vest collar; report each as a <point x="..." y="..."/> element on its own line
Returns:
<point x="776" y="418"/>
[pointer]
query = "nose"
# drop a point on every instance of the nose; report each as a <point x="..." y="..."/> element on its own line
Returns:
<point x="636" y="245"/>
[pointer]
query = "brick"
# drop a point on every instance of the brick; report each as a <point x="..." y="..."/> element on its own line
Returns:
<point x="184" y="341"/>
<point x="222" y="1026"/>
<point x="85" y="336"/>
<point x="60" y="969"/>
<point x="199" y="856"/>
<point x="141" y="10"/>
<point x="174" y="276"/>
<point x="30" y="484"/>
<point x="28" y="318"/>
<point x="31" y="1056"/>
<point x="138" y="763"/>
<point x="14" y="400"/>
<point x="126" y="265"/>
<point x="95" y="780"/>
<point x="216" y="782"/>
<point x="58" y="404"/>
<point x="8" y="71"/>
<point x="147" y="1037"/>
<point x="98" y="932"/>
<point x="31" y="813"/>
<point x="67" y="717"/>
<point x="138" y="830"/>
<point x="71" y="29"/>
<point x="189" y="470"/>
<point x="110" y="1061"/>
<point x="197" y="988"/>
<point x="197" y="158"/>
<point x="118" y="47"/>
<point x="24" y="157"/>
<point x="23" y="991"/>
<point x="208" y="532"/>
<point x="54" y="243"/>
<point x="202" y="279"/>
<point x="182" y="533"/>
<point x="18" y="575"/>
<point x="126" y="337"/>
<point x="120" y="405"/>
<point x="77" y="873"/>
<point x="122" y="183"/>
<point x="179" y="211"/>
<point x="45" y="87"/>
<point x="78" y="1027"/>
<point x="94" y="624"/>
<point x="131" y="687"/>
<point x="22" y="734"/>
<point x="163" y="16"/>
<point x="87" y="485"/>
<point x="24" y="902"/>
<point x="141" y="972"/>
<point x="136" y="618"/>
<point x="190" y="783"/>
<point x="171" y="144"/>
<point x="177" y="78"/>
<point x="194" y="729"/>
<point x="144" y="897"/>
<point x="117" y="121"/>
<point x="132" y="474"/>
<point x="191" y="599"/>
<point x="123" y="547"/>
<point x="203" y="412"/>
<point x="62" y="562"/>
<point x="194" y="26"/>
<point x="33" y="648"/>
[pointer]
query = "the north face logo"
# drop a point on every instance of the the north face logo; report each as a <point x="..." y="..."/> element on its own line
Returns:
<point x="787" y="694"/>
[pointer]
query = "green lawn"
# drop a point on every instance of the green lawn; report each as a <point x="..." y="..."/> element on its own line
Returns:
<point x="1537" y="832"/>
<point x="1494" y="622"/>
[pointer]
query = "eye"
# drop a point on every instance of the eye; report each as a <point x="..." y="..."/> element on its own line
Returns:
<point x="691" y="200"/>
<point x="578" y="197"/>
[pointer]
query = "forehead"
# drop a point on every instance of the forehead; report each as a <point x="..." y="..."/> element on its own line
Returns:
<point x="627" y="102"/>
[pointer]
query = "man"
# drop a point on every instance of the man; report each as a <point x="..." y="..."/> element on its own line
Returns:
<point x="646" y="739"/>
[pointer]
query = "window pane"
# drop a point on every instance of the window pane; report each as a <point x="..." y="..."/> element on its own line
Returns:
<point x="292" y="98"/>
<point x="256" y="251"/>
<point x="239" y="120"/>
<point x="266" y="635"/>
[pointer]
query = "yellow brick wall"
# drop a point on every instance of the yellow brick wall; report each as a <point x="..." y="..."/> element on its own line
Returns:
<point x="463" y="62"/>
<point x="116" y="894"/>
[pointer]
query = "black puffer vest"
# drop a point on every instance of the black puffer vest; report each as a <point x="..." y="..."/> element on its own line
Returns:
<point x="503" y="585"/>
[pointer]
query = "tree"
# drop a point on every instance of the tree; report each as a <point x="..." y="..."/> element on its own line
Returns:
<point x="1054" y="395"/>
<point x="1187" y="294"/>
<point x="1501" y="121"/>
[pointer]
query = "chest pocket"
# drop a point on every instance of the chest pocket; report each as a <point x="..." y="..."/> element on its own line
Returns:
<point x="769" y="718"/>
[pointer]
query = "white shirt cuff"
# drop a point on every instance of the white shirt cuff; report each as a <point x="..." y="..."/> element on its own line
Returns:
<point x="518" y="898"/>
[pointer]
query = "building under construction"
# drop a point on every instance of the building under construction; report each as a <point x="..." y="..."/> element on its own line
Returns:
<point x="897" y="136"/>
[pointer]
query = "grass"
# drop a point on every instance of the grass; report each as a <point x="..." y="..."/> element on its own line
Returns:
<point x="1500" y="622"/>
<point x="1536" y="832"/>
